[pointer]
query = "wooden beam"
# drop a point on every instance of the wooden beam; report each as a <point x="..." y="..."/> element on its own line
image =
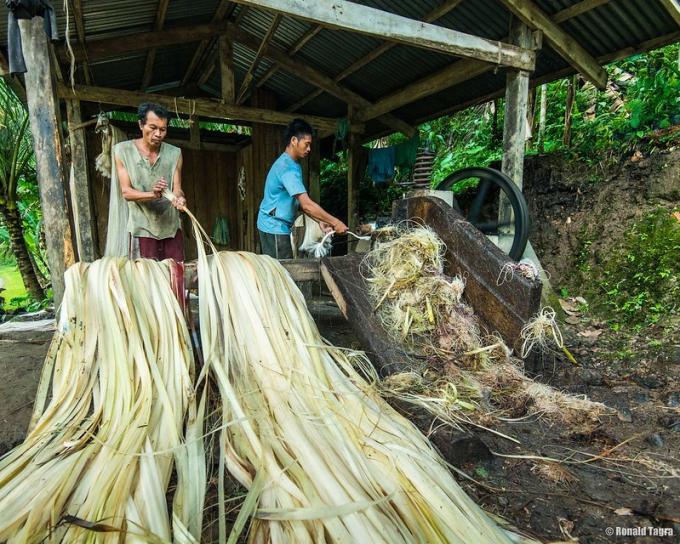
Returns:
<point x="673" y="9"/>
<point x="577" y="9"/>
<point x="514" y="134"/>
<point x="112" y="47"/>
<point x="248" y="78"/>
<point x="384" y="25"/>
<point x="84" y="223"/>
<point x="199" y="107"/>
<point x="432" y="16"/>
<point x="559" y="40"/>
<point x="42" y="109"/>
<point x="161" y="11"/>
<point x="516" y="100"/>
<point x="626" y="52"/>
<point x="446" y="77"/>
<point x="227" y="82"/>
<point x="220" y="13"/>
<point x="195" y="133"/>
<point x="80" y="32"/>
<point x="209" y="58"/>
<point x="313" y="76"/>
<point x="294" y="49"/>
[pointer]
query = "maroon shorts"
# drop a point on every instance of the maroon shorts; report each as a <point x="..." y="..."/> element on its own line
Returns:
<point x="167" y="248"/>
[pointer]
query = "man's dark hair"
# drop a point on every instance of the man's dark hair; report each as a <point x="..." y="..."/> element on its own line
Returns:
<point x="297" y="128"/>
<point x="146" y="107"/>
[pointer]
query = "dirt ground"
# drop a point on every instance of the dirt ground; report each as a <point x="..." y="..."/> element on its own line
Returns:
<point x="21" y="358"/>
<point x="633" y="482"/>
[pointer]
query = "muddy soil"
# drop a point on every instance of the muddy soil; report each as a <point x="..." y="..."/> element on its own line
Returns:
<point x="635" y="481"/>
<point x="580" y="212"/>
<point x="21" y="358"/>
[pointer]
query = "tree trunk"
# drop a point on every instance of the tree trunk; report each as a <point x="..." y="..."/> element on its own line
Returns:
<point x="496" y="135"/>
<point x="16" y="236"/>
<point x="542" y="117"/>
<point x="571" y="92"/>
<point x="531" y="117"/>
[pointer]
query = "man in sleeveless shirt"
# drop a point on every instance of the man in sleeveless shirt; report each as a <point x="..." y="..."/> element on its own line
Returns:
<point x="147" y="167"/>
<point x="285" y="193"/>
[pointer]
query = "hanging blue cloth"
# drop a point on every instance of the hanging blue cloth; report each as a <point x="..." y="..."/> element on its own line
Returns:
<point x="381" y="164"/>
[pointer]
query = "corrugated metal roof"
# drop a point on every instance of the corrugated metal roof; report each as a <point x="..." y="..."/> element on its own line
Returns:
<point x="602" y="31"/>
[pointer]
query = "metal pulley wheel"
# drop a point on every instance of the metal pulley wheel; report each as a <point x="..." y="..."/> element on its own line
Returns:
<point x="477" y="199"/>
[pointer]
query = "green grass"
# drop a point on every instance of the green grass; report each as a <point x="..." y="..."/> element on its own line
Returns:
<point x="14" y="286"/>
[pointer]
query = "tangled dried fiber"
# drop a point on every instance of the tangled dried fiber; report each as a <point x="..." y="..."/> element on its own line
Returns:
<point x="418" y="305"/>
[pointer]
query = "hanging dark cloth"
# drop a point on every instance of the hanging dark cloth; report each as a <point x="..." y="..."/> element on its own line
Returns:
<point x="26" y="9"/>
<point x="405" y="152"/>
<point x="341" y="132"/>
<point x="381" y="164"/>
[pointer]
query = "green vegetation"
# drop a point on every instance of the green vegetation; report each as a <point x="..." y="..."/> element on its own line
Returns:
<point x="640" y="282"/>
<point x="20" y="217"/>
<point x="640" y="103"/>
<point x="14" y="286"/>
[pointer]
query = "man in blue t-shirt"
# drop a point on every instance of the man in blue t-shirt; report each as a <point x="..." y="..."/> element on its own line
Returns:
<point x="284" y="193"/>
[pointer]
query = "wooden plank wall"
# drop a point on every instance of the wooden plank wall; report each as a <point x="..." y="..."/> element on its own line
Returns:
<point x="210" y="184"/>
<point x="245" y="221"/>
<point x="266" y="147"/>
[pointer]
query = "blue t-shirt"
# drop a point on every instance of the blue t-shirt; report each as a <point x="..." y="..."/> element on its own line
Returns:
<point x="279" y="205"/>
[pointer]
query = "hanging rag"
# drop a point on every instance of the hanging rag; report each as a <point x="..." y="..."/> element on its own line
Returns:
<point x="405" y="152"/>
<point x="103" y="160"/>
<point x="220" y="233"/>
<point x="381" y="164"/>
<point x="117" y="240"/>
<point x="341" y="130"/>
<point x="26" y="9"/>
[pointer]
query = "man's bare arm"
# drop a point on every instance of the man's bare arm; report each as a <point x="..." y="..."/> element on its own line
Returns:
<point x="313" y="210"/>
<point x="179" y="202"/>
<point x="132" y="194"/>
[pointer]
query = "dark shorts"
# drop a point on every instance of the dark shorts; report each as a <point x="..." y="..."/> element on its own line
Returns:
<point x="167" y="248"/>
<point x="276" y="245"/>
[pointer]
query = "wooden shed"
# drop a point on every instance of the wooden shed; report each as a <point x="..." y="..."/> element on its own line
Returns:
<point x="375" y="66"/>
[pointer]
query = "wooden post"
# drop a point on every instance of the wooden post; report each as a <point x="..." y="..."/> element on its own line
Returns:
<point x="195" y="133"/>
<point x="514" y="131"/>
<point x="80" y="186"/>
<point x="352" y="178"/>
<point x="315" y="169"/>
<point x="226" y="50"/>
<point x="42" y="108"/>
<point x="514" y="136"/>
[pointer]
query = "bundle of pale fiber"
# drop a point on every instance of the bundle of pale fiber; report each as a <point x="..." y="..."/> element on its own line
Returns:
<point x="324" y="457"/>
<point x="100" y="454"/>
